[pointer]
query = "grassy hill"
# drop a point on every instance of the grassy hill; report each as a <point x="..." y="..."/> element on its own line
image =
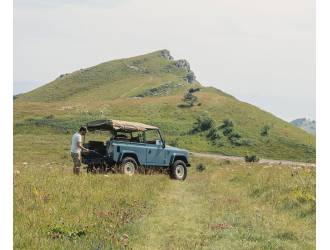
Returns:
<point x="229" y="205"/>
<point x="150" y="88"/>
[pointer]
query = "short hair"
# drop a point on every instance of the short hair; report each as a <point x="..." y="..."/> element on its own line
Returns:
<point x="83" y="128"/>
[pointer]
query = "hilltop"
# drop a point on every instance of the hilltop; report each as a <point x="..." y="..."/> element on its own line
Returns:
<point x="305" y="124"/>
<point x="156" y="89"/>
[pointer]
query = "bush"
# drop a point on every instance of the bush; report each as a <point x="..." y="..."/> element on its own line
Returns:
<point x="203" y="122"/>
<point x="192" y="90"/>
<point x="200" y="167"/>
<point x="227" y="124"/>
<point x="264" y="131"/>
<point x="189" y="99"/>
<point x="214" y="136"/>
<point x="227" y="127"/>
<point x="251" y="158"/>
<point x="235" y="138"/>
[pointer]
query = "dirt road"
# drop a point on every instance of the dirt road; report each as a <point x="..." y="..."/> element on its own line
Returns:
<point x="267" y="161"/>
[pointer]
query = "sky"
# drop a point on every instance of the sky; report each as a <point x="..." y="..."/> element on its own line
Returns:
<point x="260" y="51"/>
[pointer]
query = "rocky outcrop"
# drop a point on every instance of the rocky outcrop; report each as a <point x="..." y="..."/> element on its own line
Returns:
<point x="179" y="64"/>
<point x="182" y="64"/>
<point x="190" y="77"/>
<point x="166" y="54"/>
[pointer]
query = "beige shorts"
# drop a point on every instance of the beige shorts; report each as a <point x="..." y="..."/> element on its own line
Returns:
<point x="76" y="159"/>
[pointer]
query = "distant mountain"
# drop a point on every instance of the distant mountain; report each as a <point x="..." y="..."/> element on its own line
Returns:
<point x="305" y="124"/>
<point x="157" y="89"/>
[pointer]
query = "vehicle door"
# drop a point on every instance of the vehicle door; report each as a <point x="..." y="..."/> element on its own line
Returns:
<point x="155" y="149"/>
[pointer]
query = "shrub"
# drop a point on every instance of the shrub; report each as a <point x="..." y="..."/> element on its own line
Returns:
<point x="203" y="122"/>
<point x="251" y="158"/>
<point x="214" y="136"/>
<point x="189" y="99"/>
<point x="200" y="167"/>
<point x="192" y="90"/>
<point x="227" y="127"/>
<point x="264" y="131"/>
<point x="235" y="138"/>
<point x="227" y="131"/>
<point x="227" y="124"/>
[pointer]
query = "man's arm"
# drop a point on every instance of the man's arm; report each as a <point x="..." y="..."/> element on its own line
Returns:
<point x="79" y="144"/>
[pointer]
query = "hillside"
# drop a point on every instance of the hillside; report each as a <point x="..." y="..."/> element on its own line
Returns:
<point x="305" y="124"/>
<point x="150" y="88"/>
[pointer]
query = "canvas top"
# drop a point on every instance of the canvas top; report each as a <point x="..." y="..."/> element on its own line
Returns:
<point x="118" y="125"/>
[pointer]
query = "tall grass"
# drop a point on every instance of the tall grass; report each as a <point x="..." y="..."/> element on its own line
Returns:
<point x="229" y="205"/>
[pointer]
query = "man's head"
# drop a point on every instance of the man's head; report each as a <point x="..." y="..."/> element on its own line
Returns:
<point x="82" y="130"/>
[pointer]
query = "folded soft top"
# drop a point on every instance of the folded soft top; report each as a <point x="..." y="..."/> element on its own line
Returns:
<point x="118" y="125"/>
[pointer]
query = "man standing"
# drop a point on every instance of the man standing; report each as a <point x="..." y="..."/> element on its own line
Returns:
<point x="76" y="147"/>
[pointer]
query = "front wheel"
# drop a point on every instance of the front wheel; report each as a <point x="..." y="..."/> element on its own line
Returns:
<point x="179" y="170"/>
<point x="128" y="166"/>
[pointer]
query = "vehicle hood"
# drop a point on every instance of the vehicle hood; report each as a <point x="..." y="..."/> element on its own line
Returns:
<point x="176" y="149"/>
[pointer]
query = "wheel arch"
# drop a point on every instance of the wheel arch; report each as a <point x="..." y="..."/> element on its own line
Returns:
<point x="129" y="154"/>
<point x="181" y="157"/>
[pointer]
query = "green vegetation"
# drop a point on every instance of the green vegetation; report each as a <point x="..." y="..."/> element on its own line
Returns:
<point x="264" y="131"/>
<point x="251" y="158"/>
<point x="227" y="205"/>
<point x="148" y="89"/>
<point x="189" y="100"/>
<point x="203" y="123"/>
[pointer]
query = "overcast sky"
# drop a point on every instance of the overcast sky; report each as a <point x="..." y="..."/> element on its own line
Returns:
<point x="260" y="51"/>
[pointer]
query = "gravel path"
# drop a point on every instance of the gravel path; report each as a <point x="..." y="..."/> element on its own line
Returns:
<point x="267" y="161"/>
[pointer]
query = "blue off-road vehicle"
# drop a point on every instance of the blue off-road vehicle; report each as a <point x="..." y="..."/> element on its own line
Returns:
<point x="133" y="147"/>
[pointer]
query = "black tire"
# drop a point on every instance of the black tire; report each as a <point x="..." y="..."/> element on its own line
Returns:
<point x="128" y="166"/>
<point x="179" y="170"/>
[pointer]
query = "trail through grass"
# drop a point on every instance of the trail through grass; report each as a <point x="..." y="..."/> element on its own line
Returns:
<point x="219" y="209"/>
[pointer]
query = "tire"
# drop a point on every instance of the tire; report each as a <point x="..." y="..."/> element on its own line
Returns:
<point x="179" y="170"/>
<point x="128" y="166"/>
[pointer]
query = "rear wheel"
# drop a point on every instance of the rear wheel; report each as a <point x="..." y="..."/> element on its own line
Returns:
<point x="179" y="170"/>
<point x="128" y="166"/>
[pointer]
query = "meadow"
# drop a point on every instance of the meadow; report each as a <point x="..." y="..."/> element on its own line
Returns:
<point x="229" y="205"/>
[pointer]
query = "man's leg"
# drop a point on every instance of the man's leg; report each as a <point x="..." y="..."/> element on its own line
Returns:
<point x="76" y="163"/>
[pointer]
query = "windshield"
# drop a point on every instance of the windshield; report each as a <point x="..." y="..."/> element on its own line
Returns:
<point x="152" y="136"/>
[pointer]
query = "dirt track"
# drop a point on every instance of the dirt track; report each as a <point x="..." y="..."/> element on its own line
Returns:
<point x="267" y="161"/>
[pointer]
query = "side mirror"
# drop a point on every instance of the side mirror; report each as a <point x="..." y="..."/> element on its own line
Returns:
<point x="163" y="144"/>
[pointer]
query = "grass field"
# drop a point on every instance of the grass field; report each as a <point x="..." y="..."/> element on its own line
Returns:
<point x="230" y="205"/>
